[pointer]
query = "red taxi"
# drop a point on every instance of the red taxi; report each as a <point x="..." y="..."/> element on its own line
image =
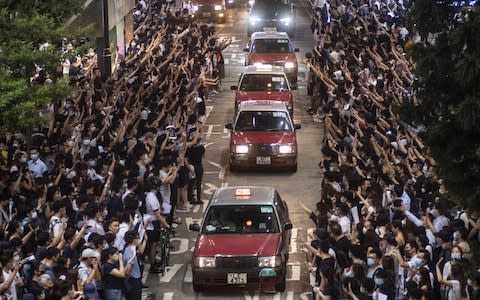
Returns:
<point x="263" y="135"/>
<point x="275" y="48"/>
<point x="243" y="239"/>
<point x="265" y="82"/>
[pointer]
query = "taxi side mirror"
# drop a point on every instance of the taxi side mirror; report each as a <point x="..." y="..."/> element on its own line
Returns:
<point x="233" y="87"/>
<point x="194" y="227"/>
<point x="286" y="226"/>
<point x="246" y="50"/>
<point x="297" y="126"/>
<point x="229" y="126"/>
<point x="296" y="50"/>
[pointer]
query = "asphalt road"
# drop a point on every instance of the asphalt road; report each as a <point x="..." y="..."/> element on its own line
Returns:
<point x="304" y="185"/>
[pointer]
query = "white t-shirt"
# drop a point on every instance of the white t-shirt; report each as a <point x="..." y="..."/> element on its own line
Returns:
<point x="12" y="290"/>
<point x="455" y="293"/>
<point x="56" y="225"/>
<point x="165" y="190"/>
<point x="153" y="205"/>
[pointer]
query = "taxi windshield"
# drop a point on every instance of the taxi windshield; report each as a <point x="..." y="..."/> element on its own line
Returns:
<point x="264" y="82"/>
<point x="263" y="121"/>
<point x="240" y="219"/>
<point x="271" y="46"/>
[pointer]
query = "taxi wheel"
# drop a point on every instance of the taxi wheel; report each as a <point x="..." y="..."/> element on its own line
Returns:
<point x="294" y="168"/>
<point x="197" y="288"/>
<point x="282" y="285"/>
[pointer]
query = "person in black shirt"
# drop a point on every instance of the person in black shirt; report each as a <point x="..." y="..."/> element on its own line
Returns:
<point x="195" y="154"/>
<point x="114" y="274"/>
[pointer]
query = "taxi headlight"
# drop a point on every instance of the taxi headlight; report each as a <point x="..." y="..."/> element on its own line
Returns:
<point x="195" y="7"/>
<point x="286" y="20"/>
<point x="289" y="65"/>
<point x="250" y="2"/>
<point x="269" y="261"/>
<point x="285" y="149"/>
<point x="241" y="149"/>
<point x="205" y="262"/>
<point x="255" y="19"/>
<point x="218" y="7"/>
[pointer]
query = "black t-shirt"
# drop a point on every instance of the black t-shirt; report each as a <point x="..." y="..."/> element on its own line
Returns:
<point x="111" y="282"/>
<point x="195" y="154"/>
<point x="343" y="244"/>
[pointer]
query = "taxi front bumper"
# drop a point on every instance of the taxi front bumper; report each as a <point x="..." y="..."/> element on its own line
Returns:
<point x="254" y="276"/>
<point x="274" y="161"/>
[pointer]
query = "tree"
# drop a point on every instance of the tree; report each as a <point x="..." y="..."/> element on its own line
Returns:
<point x="24" y="26"/>
<point x="449" y="95"/>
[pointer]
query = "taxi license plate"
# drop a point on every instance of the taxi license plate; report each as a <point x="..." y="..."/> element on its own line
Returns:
<point x="206" y="14"/>
<point x="264" y="160"/>
<point x="237" y="278"/>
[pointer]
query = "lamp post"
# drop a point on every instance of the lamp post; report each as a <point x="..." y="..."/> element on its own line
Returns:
<point x="107" y="55"/>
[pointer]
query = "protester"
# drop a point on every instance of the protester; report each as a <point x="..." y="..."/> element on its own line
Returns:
<point x="391" y="234"/>
<point x="104" y="172"/>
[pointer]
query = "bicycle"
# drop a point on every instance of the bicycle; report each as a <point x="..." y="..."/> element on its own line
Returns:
<point x="165" y="248"/>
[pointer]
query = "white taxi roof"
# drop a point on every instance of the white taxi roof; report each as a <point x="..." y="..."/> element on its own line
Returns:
<point x="262" y="105"/>
<point x="255" y="195"/>
<point x="269" y="35"/>
<point x="264" y="69"/>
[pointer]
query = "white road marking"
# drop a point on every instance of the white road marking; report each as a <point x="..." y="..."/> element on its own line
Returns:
<point x="248" y="297"/>
<point x="293" y="240"/>
<point x="188" y="274"/>
<point x="289" y="295"/>
<point x="208" y="111"/>
<point x="170" y="272"/>
<point x="221" y="174"/>
<point x="196" y="208"/>
<point x="206" y="145"/>
<point x="215" y="164"/>
<point x="224" y="184"/>
<point x="167" y="296"/>
<point x="182" y="247"/>
<point x="234" y="55"/>
<point x="296" y="271"/>
<point x="209" y="188"/>
<point x="209" y="131"/>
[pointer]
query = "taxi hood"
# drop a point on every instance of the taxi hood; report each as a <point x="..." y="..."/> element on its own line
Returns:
<point x="266" y="58"/>
<point x="273" y="95"/>
<point x="263" y="137"/>
<point x="261" y="244"/>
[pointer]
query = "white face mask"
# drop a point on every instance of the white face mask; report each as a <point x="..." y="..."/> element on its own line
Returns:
<point x="34" y="215"/>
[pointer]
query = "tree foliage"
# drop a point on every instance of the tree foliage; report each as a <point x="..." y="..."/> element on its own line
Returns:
<point x="449" y="96"/>
<point x="24" y="26"/>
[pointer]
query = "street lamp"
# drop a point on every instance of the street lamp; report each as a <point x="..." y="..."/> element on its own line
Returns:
<point x="107" y="55"/>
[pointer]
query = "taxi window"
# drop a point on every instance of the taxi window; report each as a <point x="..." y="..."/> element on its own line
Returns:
<point x="240" y="219"/>
<point x="271" y="46"/>
<point x="263" y="121"/>
<point x="264" y="82"/>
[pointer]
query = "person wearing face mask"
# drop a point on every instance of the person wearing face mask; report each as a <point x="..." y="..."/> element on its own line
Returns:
<point x="455" y="257"/>
<point x="374" y="257"/>
<point x="36" y="165"/>
<point x="114" y="273"/>
<point x="459" y="239"/>
<point x="384" y="285"/>
<point x="133" y="285"/>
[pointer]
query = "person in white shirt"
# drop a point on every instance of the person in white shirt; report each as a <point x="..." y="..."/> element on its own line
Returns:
<point x="36" y="165"/>
<point x="154" y="220"/>
<point x="341" y="216"/>
<point x="10" y="275"/>
<point x="119" y="242"/>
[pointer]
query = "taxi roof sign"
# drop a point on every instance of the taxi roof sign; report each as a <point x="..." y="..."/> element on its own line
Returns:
<point x="243" y="192"/>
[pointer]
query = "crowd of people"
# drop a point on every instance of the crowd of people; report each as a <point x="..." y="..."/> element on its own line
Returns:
<point x="84" y="199"/>
<point x="383" y="226"/>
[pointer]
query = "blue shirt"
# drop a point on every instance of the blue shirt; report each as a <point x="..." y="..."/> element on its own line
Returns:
<point x="127" y="254"/>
